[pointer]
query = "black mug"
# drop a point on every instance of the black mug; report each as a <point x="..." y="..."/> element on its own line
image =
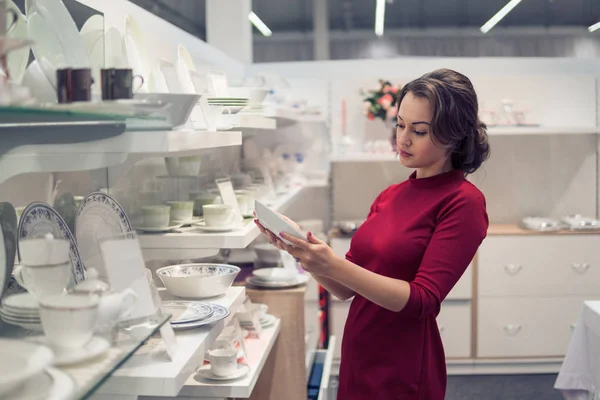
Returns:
<point x="74" y="84"/>
<point x="117" y="83"/>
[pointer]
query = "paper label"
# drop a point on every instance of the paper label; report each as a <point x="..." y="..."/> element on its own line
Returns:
<point x="228" y="196"/>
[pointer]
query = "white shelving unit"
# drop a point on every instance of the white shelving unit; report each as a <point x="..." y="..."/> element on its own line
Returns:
<point x="249" y="121"/>
<point x="288" y="115"/>
<point x="364" y="157"/>
<point x="193" y="243"/>
<point x="542" y="130"/>
<point x="102" y="153"/>
<point x="149" y="372"/>
<point x="258" y="351"/>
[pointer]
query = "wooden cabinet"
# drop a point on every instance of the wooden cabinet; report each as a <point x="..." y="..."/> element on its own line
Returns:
<point x="539" y="265"/>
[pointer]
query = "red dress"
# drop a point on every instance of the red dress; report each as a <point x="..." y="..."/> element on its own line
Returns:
<point x="424" y="231"/>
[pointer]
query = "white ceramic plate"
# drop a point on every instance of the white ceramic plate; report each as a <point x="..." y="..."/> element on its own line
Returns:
<point x="115" y="52"/>
<point x="187" y="311"/>
<point x="273" y="222"/>
<point x="219" y="313"/>
<point x="26" y="361"/>
<point x="202" y="226"/>
<point x="21" y="302"/>
<point x="55" y="35"/>
<point x="241" y="371"/>
<point x="275" y="274"/>
<point x="92" y="34"/>
<point x="52" y="384"/>
<point x="302" y="279"/>
<point x="17" y="60"/>
<point x="98" y="215"/>
<point x="134" y="45"/>
<point x="265" y="321"/>
<point x="39" y="219"/>
<point x="157" y="229"/>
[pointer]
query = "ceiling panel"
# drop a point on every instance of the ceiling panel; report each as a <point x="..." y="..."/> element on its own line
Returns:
<point x="296" y="15"/>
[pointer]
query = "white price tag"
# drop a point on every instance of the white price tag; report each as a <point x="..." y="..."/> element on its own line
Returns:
<point x="125" y="268"/>
<point x="228" y="196"/>
<point x="170" y="341"/>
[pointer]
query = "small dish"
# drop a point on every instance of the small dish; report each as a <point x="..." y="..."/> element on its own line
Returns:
<point x="274" y="223"/>
<point x="92" y="349"/>
<point x="157" y="229"/>
<point x="275" y="274"/>
<point x="202" y="226"/>
<point x="241" y="371"/>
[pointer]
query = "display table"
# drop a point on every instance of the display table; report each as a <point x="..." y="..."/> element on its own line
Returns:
<point x="579" y="377"/>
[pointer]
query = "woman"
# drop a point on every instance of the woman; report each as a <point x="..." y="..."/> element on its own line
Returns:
<point x="419" y="237"/>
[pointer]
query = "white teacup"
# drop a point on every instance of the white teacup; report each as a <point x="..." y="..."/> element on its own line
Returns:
<point x="41" y="280"/>
<point x="69" y="320"/>
<point x="156" y="216"/>
<point x="218" y="215"/>
<point x="223" y="362"/>
<point x="44" y="251"/>
<point x="181" y="211"/>
<point x="200" y="199"/>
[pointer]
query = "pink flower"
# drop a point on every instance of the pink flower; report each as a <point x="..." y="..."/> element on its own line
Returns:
<point x="370" y="116"/>
<point x="385" y="101"/>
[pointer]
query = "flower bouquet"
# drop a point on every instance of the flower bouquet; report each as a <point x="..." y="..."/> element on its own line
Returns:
<point x="382" y="103"/>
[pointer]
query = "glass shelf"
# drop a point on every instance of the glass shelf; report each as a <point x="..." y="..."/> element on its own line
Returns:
<point x="127" y="338"/>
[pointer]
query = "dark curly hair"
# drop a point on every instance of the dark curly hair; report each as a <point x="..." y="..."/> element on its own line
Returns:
<point x="455" y="125"/>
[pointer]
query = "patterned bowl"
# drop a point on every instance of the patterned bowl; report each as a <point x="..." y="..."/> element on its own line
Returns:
<point x="197" y="280"/>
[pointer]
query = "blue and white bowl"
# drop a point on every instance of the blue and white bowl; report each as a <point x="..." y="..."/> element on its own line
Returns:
<point x="197" y="280"/>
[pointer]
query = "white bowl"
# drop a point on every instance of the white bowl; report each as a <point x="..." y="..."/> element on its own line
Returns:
<point x="255" y="95"/>
<point x="275" y="274"/>
<point x="197" y="280"/>
<point x="267" y="253"/>
<point x="26" y="361"/>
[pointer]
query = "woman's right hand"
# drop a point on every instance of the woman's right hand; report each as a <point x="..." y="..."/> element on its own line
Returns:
<point x="271" y="237"/>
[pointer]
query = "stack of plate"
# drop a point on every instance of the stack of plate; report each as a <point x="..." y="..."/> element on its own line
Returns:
<point x="579" y="222"/>
<point x="277" y="278"/>
<point x="22" y="310"/>
<point x="193" y="314"/>
<point x="234" y="104"/>
<point x="265" y="321"/>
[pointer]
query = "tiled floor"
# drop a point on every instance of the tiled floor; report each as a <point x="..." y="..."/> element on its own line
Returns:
<point x="502" y="387"/>
<point x="496" y="387"/>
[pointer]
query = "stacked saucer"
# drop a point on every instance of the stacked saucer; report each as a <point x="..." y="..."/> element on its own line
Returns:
<point x="193" y="314"/>
<point x="22" y="310"/>
<point x="277" y="278"/>
<point x="266" y="321"/>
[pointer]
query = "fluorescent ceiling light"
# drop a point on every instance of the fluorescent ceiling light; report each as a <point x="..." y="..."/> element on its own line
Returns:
<point x="594" y="27"/>
<point x="258" y="24"/>
<point x="499" y="15"/>
<point x="379" y="17"/>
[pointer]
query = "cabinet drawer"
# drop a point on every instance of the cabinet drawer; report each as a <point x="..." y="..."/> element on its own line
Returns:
<point x="462" y="290"/>
<point x="464" y="287"/>
<point x="454" y="322"/>
<point x="526" y="327"/>
<point x="539" y="265"/>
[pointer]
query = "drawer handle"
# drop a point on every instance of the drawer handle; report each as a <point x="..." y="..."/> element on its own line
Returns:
<point x="512" y="330"/>
<point x="572" y="326"/>
<point x="441" y="328"/>
<point x="512" y="269"/>
<point x="580" y="268"/>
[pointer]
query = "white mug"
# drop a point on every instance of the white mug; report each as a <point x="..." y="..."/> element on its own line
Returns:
<point x="44" y="251"/>
<point x="40" y="280"/>
<point x="68" y="320"/>
<point x="223" y="362"/>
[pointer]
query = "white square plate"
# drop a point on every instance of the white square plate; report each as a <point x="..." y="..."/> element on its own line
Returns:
<point x="273" y="222"/>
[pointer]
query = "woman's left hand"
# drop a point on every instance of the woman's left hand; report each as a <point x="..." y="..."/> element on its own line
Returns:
<point x="314" y="255"/>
